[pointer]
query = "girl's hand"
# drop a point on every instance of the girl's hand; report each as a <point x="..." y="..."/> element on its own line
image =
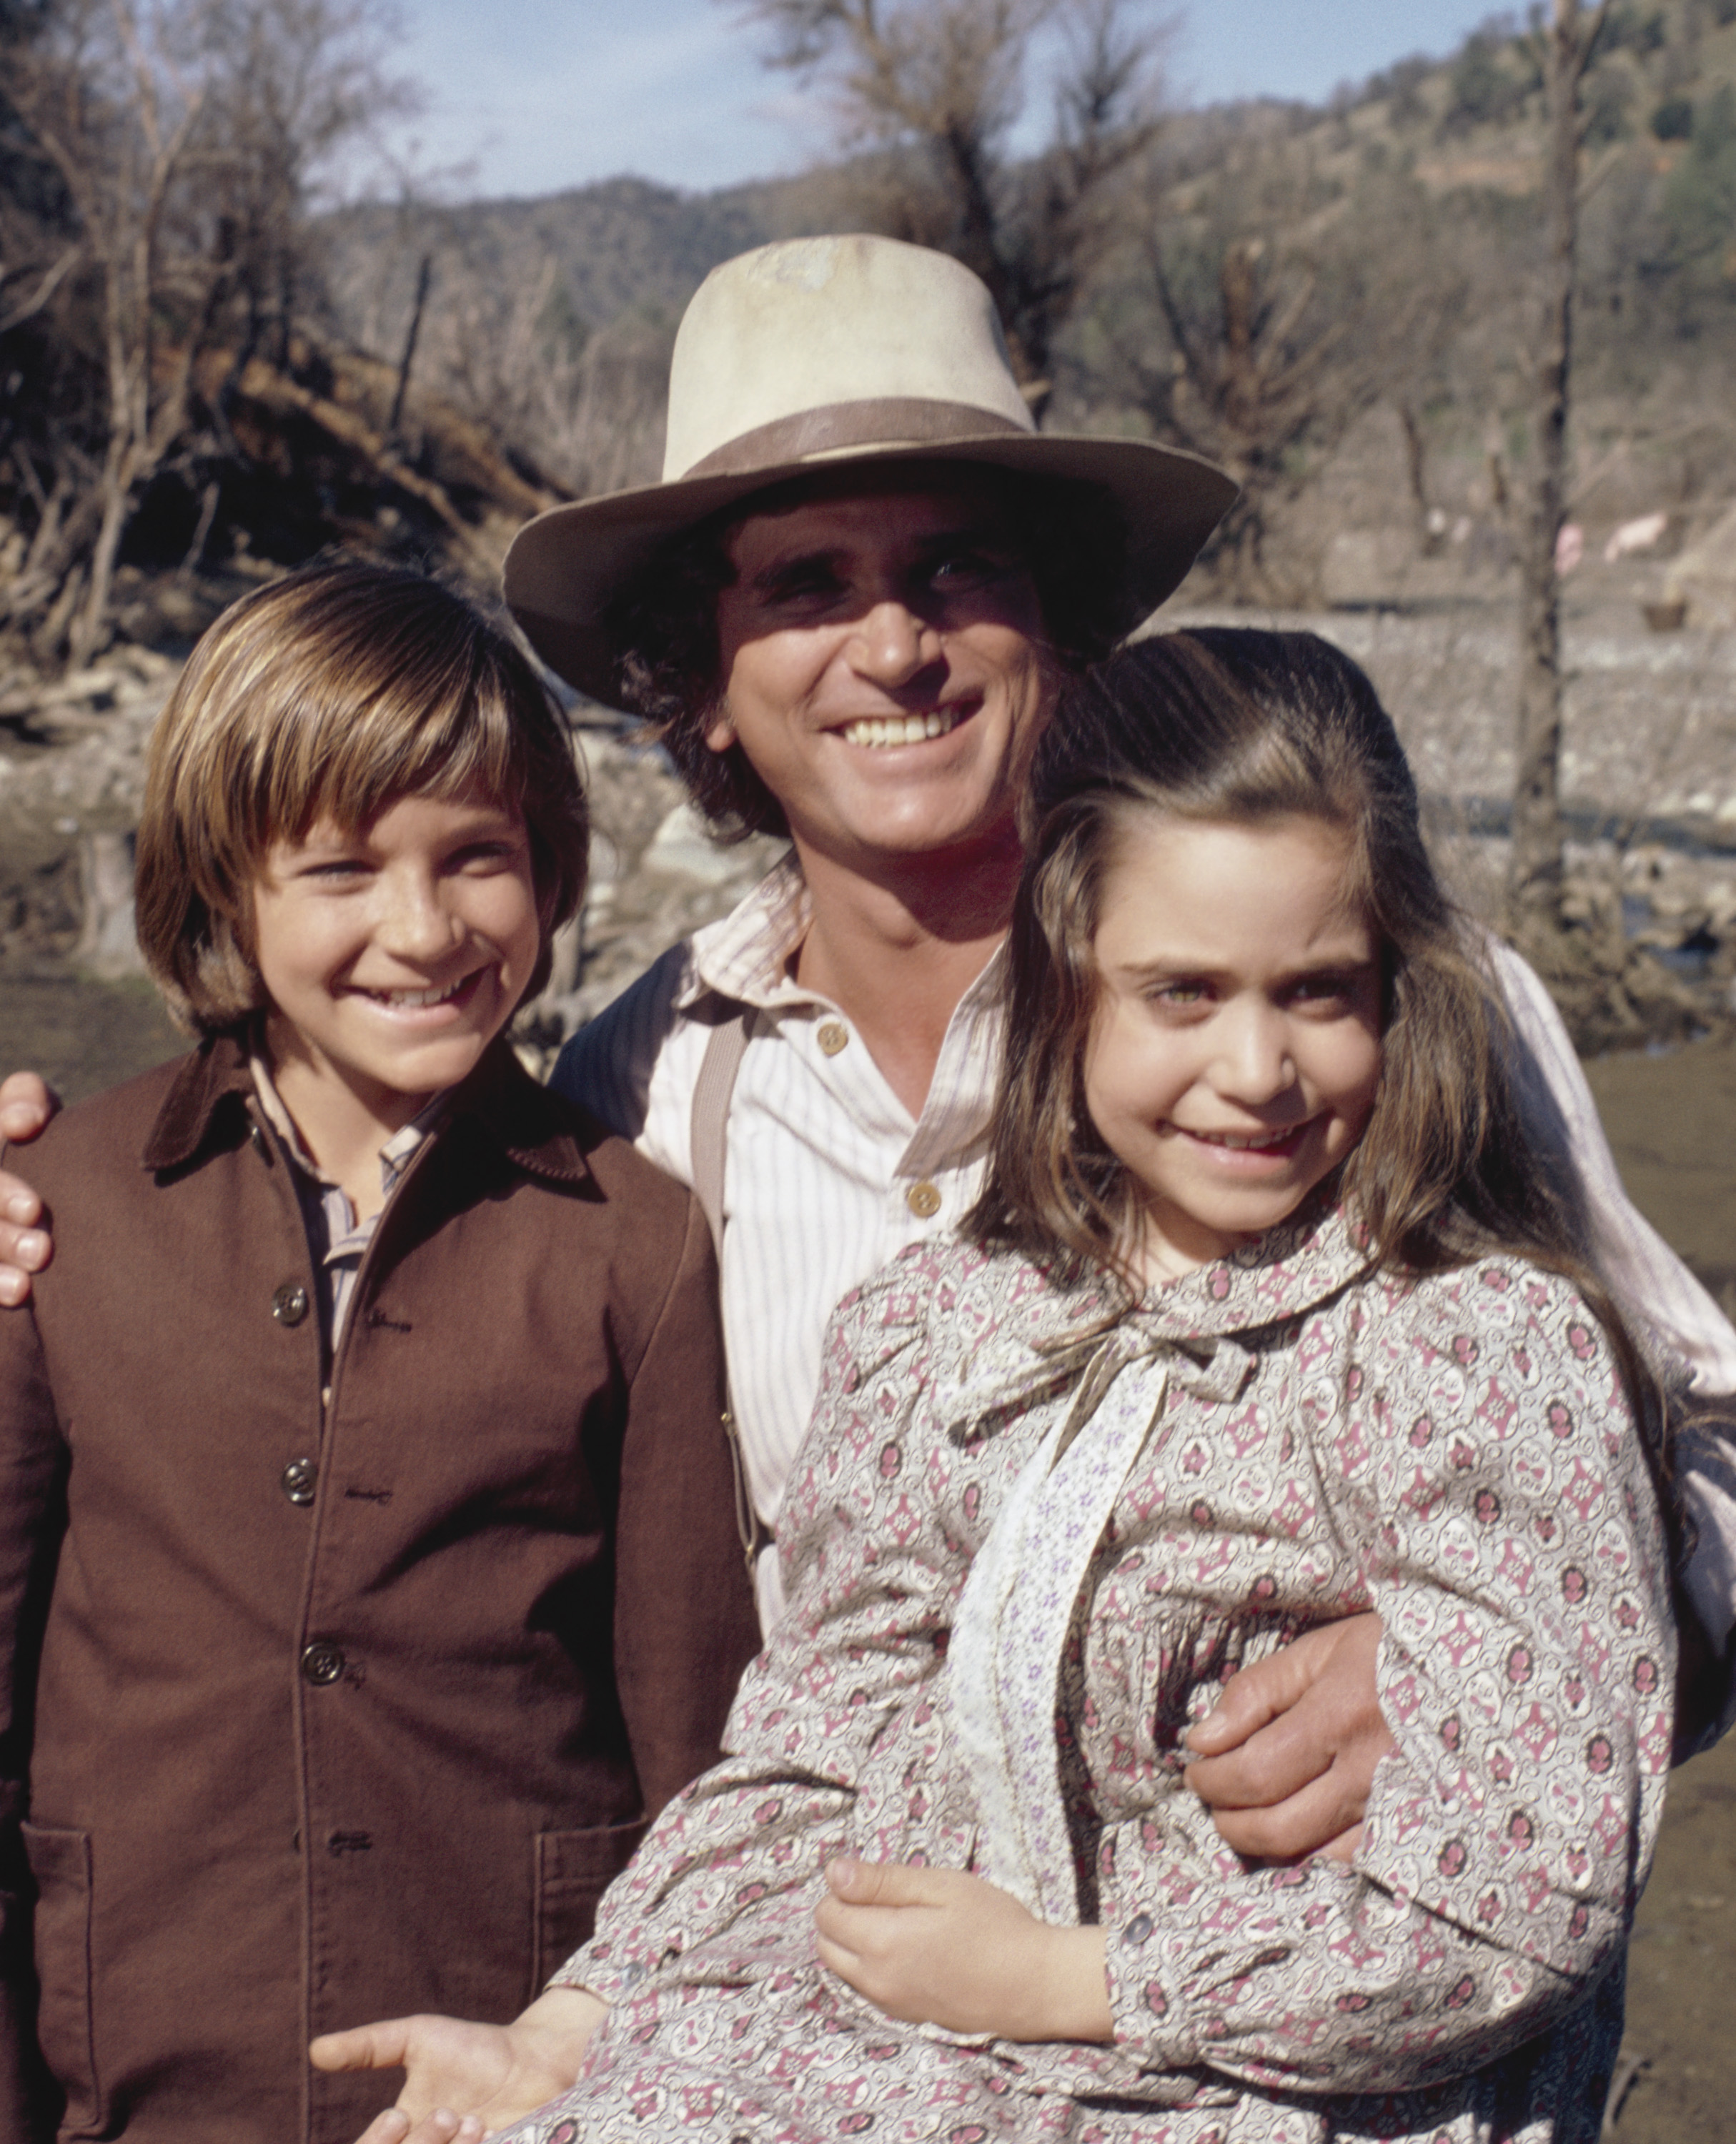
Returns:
<point x="936" y="1946"/>
<point x="463" y="2080"/>
<point x="1286" y="1760"/>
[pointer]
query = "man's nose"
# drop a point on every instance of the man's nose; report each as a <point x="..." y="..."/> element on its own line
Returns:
<point x="891" y="643"/>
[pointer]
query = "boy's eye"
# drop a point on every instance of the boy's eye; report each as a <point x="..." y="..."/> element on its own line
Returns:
<point x="485" y="856"/>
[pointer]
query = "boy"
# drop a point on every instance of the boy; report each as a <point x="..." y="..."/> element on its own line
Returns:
<point x="368" y="1563"/>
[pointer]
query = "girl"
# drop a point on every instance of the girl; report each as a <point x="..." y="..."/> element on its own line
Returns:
<point x="1264" y="1319"/>
<point x="367" y="1555"/>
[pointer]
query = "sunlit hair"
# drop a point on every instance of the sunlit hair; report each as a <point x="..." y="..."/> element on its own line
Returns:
<point x="664" y="625"/>
<point x="329" y="695"/>
<point x="1241" y="728"/>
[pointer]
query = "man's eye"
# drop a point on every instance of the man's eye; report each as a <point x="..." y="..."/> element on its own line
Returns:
<point x="968" y="568"/>
<point x="801" y="583"/>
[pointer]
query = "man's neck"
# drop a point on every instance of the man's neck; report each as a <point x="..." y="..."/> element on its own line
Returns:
<point x="896" y="946"/>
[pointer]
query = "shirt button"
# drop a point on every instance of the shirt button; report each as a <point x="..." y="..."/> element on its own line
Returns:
<point x="298" y="1479"/>
<point x="923" y="1200"/>
<point x="322" y="1662"/>
<point x="257" y="1139"/>
<point x="289" y="1306"/>
<point x="832" y="1037"/>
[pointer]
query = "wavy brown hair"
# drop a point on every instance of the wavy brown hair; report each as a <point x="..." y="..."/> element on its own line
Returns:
<point x="332" y="693"/>
<point x="1240" y="728"/>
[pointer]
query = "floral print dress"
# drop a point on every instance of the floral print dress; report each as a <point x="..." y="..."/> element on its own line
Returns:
<point x="1279" y="1438"/>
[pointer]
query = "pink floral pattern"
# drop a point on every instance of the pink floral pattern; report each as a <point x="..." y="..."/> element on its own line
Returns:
<point x="1454" y="1451"/>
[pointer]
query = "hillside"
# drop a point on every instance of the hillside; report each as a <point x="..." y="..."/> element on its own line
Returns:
<point x="1393" y="233"/>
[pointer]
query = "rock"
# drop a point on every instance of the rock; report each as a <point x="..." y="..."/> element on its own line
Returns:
<point x="1704" y="577"/>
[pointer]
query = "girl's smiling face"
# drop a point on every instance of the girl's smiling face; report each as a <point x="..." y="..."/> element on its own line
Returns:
<point x="1235" y="1044"/>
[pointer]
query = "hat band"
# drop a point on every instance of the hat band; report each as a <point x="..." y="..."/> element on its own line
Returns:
<point x="837" y="427"/>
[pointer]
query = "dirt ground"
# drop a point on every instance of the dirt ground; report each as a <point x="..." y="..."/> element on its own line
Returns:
<point x="1672" y="1121"/>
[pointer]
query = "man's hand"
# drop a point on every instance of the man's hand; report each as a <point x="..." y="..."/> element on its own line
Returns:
<point x="26" y="1105"/>
<point x="1286" y="1760"/>
<point x="463" y="2082"/>
<point x="936" y="1946"/>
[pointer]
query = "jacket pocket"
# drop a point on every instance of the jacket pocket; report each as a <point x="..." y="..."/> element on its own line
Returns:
<point x="573" y="1869"/>
<point x="60" y="1864"/>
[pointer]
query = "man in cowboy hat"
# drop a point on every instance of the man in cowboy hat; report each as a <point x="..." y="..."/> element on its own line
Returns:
<point x="847" y="609"/>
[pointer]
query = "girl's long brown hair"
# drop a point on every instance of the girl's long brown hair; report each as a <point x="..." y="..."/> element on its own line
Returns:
<point x="1240" y="727"/>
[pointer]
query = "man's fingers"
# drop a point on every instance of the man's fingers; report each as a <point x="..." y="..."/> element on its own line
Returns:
<point x="1253" y="1697"/>
<point x="1297" y="1825"/>
<point x="26" y="1105"/>
<point x="1281" y="1760"/>
<point x="382" y="2046"/>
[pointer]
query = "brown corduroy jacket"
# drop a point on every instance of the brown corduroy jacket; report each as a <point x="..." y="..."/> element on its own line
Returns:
<point x="311" y="1716"/>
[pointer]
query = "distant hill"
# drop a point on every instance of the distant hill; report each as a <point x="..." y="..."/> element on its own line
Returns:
<point x="551" y="318"/>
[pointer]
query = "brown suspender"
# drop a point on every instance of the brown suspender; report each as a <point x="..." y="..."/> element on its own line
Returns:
<point x="710" y="1124"/>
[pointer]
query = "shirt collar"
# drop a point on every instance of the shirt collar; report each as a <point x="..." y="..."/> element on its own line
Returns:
<point x="533" y="1127"/>
<point x="747" y="954"/>
<point x="394" y="1153"/>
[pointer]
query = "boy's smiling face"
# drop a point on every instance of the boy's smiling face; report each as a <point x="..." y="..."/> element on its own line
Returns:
<point x="393" y="955"/>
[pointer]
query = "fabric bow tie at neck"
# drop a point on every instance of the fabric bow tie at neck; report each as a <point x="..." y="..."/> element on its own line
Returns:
<point x="1004" y="1659"/>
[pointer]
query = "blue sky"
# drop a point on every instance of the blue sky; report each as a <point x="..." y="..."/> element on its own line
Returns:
<point x="527" y="96"/>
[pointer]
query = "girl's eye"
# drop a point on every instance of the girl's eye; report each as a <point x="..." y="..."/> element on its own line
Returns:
<point x="1178" y="993"/>
<point x="1324" y="991"/>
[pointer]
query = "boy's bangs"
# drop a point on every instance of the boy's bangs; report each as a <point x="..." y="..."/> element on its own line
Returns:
<point x="349" y="768"/>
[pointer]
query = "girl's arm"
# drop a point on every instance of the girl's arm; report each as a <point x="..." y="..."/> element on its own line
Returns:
<point x="858" y="1639"/>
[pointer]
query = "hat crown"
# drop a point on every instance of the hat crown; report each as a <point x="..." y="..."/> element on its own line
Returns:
<point x="808" y="323"/>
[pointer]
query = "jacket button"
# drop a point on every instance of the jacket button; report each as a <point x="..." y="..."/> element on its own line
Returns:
<point x="288" y="1305"/>
<point x="322" y="1662"/>
<point x="298" y="1480"/>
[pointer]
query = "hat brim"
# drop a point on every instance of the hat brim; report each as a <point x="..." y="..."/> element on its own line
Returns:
<point x="566" y="568"/>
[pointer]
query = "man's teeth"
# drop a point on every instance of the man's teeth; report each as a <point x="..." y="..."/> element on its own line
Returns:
<point x="408" y="1000"/>
<point x="900" y="729"/>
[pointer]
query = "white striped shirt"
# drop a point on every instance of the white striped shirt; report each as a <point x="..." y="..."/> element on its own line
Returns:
<point x="825" y="1162"/>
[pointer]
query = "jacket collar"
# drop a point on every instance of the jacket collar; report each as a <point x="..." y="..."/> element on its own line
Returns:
<point x="529" y="1125"/>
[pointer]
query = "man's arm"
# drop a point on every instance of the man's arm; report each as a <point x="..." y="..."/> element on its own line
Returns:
<point x="26" y="1105"/>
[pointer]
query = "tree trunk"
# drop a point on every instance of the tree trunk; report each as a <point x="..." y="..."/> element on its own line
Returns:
<point x="1534" y="871"/>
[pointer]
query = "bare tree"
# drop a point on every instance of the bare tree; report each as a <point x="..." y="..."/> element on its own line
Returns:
<point x="1535" y="871"/>
<point x="1256" y="332"/>
<point x="185" y="134"/>
<point x="936" y="87"/>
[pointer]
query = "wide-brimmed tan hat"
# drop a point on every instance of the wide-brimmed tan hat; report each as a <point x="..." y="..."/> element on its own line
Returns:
<point x="820" y="352"/>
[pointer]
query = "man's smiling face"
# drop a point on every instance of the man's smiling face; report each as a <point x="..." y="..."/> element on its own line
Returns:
<point x="884" y="666"/>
